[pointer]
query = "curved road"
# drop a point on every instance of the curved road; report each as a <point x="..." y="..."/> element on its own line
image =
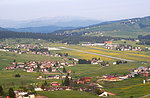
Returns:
<point x="99" y="54"/>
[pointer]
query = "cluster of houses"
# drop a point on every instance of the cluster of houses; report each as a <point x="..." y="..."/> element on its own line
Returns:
<point x="32" y="49"/>
<point x="134" y="72"/>
<point x="45" y="67"/>
<point x="140" y="71"/>
<point x="122" y="47"/>
<point x="22" y="94"/>
<point x="93" y="44"/>
<point x="55" y="87"/>
<point x="113" y="77"/>
<point x="96" y="44"/>
<point x="53" y="77"/>
<point x="84" y="80"/>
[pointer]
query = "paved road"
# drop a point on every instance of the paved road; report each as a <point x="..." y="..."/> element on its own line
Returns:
<point x="99" y="54"/>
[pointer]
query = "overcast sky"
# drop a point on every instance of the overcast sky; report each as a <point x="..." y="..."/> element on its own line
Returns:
<point x="96" y="9"/>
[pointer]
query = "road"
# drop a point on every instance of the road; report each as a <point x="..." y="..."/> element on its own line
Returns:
<point x="61" y="72"/>
<point x="145" y="96"/>
<point x="99" y="54"/>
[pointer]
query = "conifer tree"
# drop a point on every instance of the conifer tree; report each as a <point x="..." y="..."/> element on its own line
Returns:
<point x="1" y="91"/>
<point x="11" y="93"/>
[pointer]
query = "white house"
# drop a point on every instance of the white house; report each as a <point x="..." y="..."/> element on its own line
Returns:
<point x="104" y="94"/>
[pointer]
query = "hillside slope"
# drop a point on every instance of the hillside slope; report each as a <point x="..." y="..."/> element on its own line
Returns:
<point x="122" y="28"/>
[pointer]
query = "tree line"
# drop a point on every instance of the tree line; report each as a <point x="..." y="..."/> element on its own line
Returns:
<point x="70" y="39"/>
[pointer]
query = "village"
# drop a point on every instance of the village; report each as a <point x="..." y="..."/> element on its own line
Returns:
<point x="119" y="47"/>
<point x="32" y="49"/>
<point x="58" y="68"/>
<point x="51" y="72"/>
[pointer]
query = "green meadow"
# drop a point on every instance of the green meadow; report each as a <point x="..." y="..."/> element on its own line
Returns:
<point x="122" y="89"/>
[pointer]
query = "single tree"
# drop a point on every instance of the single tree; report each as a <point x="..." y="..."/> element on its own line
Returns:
<point x="1" y="91"/>
<point x="64" y="70"/>
<point x="98" y="91"/>
<point x="42" y="86"/>
<point x="45" y="83"/>
<point x="67" y="82"/>
<point x="11" y="93"/>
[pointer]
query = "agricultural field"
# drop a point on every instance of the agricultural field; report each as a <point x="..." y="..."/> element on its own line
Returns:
<point x="131" y="87"/>
<point x="130" y="55"/>
<point x="122" y="89"/>
<point x="67" y="94"/>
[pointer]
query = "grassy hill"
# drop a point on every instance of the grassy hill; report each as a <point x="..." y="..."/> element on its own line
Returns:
<point x="122" y="28"/>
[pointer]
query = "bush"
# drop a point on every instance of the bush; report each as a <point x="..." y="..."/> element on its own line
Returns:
<point x="17" y="75"/>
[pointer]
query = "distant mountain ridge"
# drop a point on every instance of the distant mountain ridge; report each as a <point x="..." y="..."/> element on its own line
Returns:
<point x="42" y="29"/>
<point x="66" y="21"/>
<point x="3" y="29"/>
<point x="120" y="28"/>
<point x="47" y="25"/>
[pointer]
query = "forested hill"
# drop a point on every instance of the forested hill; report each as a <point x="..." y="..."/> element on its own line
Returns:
<point x="121" y="28"/>
<point x="53" y="38"/>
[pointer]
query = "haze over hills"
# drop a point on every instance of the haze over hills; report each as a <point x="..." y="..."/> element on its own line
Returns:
<point x="121" y="28"/>
<point x="65" y="21"/>
<point x="42" y="29"/>
<point x="47" y="25"/>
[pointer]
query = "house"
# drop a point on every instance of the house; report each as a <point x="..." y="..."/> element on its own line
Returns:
<point x="69" y="71"/>
<point x="69" y="77"/>
<point x="108" y="42"/>
<point x="132" y="74"/>
<point x="38" y="89"/>
<point x="145" y="73"/>
<point x="57" y="77"/>
<point x="28" y="96"/>
<point x="63" y="76"/>
<point x="20" y="94"/>
<point x="70" y="64"/>
<point x="29" y="70"/>
<point x="83" y="80"/>
<point x="95" y="85"/>
<point x="123" y="77"/>
<point x="20" y="64"/>
<point x="61" y="66"/>
<point x="112" y="78"/>
<point x="114" y="63"/>
<point x="53" y="69"/>
<point x="10" y="67"/>
<point x="104" y="94"/>
<point x="75" y="59"/>
<point x="63" y="63"/>
<point x="94" y="62"/>
<point x="54" y="84"/>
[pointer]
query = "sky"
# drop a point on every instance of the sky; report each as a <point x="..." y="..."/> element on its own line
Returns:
<point x="94" y="9"/>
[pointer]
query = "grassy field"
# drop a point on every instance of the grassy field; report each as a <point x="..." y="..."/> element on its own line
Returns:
<point x="6" y="58"/>
<point x="131" y="55"/>
<point x="84" y="70"/>
<point x="130" y="87"/>
<point x="123" y="89"/>
<point x="67" y="94"/>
